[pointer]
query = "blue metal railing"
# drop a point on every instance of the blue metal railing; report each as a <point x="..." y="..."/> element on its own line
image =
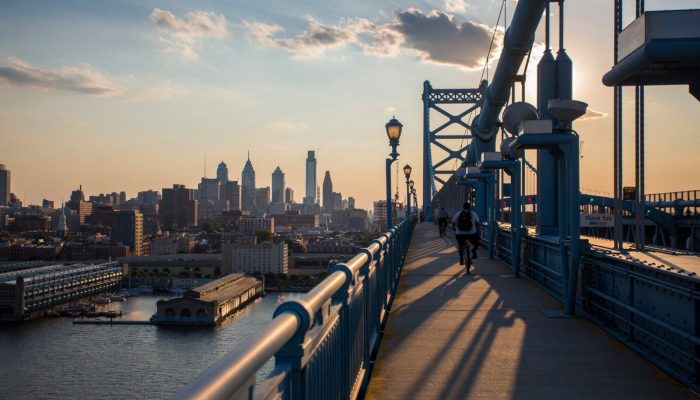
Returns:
<point x="653" y="310"/>
<point x="323" y="342"/>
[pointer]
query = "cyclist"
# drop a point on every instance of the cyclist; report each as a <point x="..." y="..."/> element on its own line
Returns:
<point x="442" y="221"/>
<point x="465" y="225"/>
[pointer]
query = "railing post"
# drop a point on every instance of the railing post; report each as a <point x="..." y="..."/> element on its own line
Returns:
<point x="342" y="297"/>
<point x="293" y="352"/>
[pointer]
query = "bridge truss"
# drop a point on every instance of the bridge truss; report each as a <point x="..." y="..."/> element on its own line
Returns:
<point x="435" y="173"/>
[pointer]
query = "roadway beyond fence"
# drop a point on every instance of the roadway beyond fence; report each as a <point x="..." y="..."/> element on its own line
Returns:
<point x="485" y="336"/>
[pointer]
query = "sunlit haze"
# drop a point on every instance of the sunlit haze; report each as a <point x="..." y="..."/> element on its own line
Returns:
<point x="135" y="95"/>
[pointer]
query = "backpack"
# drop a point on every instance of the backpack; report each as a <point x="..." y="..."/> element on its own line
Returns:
<point x="464" y="221"/>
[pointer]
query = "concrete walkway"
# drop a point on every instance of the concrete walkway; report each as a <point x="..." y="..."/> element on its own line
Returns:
<point x="485" y="336"/>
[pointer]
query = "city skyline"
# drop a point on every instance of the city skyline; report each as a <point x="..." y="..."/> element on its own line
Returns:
<point x="140" y="113"/>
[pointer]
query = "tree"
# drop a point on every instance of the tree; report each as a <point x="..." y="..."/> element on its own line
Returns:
<point x="210" y="226"/>
<point x="263" y="236"/>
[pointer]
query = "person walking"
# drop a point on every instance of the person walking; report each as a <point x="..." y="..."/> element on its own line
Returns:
<point x="465" y="225"/>
<point x="442" y="220"/>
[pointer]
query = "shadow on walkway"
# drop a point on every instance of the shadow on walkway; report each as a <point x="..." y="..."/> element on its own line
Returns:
<point x="484" y="335"/>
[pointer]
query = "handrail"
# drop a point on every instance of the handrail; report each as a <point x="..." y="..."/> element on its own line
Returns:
<point x="233" y="376"/>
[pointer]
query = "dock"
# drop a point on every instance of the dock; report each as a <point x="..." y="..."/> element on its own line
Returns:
<point x="110" y="322"/>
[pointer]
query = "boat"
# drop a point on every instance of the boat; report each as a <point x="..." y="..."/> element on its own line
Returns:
<point x="115" y="297"/>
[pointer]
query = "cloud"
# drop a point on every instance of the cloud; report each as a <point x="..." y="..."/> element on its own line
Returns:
<point x="592" y="114"/>
<point x="455" y="6"/>
<point x="313" y="42"/>
<point x="435" y="37"/>
<point x="439" y="38"/>
<point x="81" y="79"/>
<point x="179" y="35"/>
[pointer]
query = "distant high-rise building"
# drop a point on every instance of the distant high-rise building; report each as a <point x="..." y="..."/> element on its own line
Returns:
<point x="60" y="223"/>
<point x="231" y="192"/>
<point x="248" y="186"/>
<point x="262" y="199"/>
<point x="47" y="203"/>
<point x="148" y="197"/>
<point x="208" y="189"/>
<point x="122" y="197"/>
<point x="328" y="199"/>
<point x="4" y="185"/>
<point x="288" y="195"/>
<point x="127" y="229"/>
<point x="278" y="186"/>
<point x="310" y="198"/>
<point x="222" y="173"/>
<point x="351" y="203"/>
<point x="178" y="207"/>
<point x="337" y="203"/>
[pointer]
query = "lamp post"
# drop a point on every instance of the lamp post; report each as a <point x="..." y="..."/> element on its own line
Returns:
<point x="413" y="193"/>
<point x="407" y="172"/>
<point x="393" y="132"/>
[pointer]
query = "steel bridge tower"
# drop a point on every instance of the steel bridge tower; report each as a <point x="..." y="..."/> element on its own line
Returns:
<point x="433" y="172"/>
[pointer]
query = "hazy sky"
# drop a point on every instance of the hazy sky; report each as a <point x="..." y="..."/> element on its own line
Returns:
<point x="131" y="95"/>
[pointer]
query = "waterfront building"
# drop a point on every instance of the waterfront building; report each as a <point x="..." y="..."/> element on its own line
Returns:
<point x="210" y="303"/>
<point x="328" y="198"/>
<point x="262" y="258"/>
<point x="4" y="185"/>
<point x="178" y="207"/>
<point x="127" y="229"/>
<point x="310" y="198"/>
<point x="278" y="186"/>
<point x="175" y="264"/>
<point x="28" y="293"/>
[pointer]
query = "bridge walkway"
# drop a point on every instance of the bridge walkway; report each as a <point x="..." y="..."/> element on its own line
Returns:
<point x="485" y="336"/>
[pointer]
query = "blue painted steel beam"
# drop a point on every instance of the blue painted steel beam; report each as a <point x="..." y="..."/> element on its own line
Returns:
<point x="512" y="168"/>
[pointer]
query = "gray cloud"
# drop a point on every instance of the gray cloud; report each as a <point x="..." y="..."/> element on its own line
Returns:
<point x="439" y="38"/>
<point x="79" y="79"/>
<point x="435" y="37"/>
<point x="179" y="35"/>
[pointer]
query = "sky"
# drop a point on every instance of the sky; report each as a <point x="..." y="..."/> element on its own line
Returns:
<point x="136" y="95"/>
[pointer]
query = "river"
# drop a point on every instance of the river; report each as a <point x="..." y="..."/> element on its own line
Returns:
<point x="50" y="358"/>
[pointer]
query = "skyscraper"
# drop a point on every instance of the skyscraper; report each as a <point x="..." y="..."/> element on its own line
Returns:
<point x="278" y="186"/>
<point x="288" y="195"/>
<point x="231" y="192"/>
<point x="222" y="173"/>
<point x="127" y="229"/>
<point x="4" y="185"/>
<point x="248" y="186"/>
<point x="328" y="200"/>
<point x="310" y="198"/>
<point x="178" y="207"/>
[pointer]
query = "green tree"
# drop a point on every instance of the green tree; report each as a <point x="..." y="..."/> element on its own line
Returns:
<point x="210" y="226"/>
<point x="263" y="236"/>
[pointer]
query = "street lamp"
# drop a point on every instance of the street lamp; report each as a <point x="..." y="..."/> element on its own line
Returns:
<point x="411" y="192"/>
<point x="407" y="172"/>
<point x="393" y="132"/>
